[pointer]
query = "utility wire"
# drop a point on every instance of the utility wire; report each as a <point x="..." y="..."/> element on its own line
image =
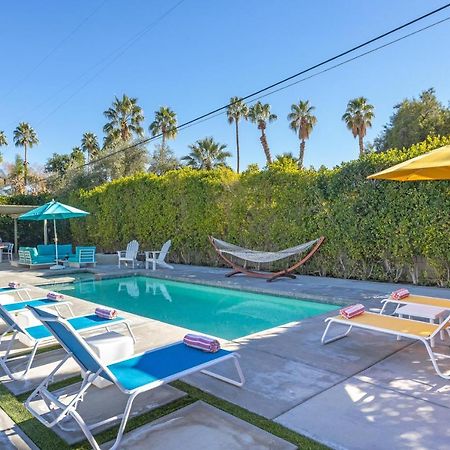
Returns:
<point x="104" y="63"/>
<point x="118" y="54"/>
<point x="53" y="50"/>
<point x="221" y="110"/>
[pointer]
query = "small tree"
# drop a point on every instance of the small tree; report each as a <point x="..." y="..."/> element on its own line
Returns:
<point x="207" y="154"/>
<point x="358" y="117"/>
<point x="26" y="137"/>
<point x="260" y="114"/>
<point x="162" y="160"/>
<point x="236" y="111"/>
<point x="302" y="121"/>
<point x="165" y="123"/>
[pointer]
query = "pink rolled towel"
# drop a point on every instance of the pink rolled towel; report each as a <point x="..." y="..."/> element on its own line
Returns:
<point x="399" y="294"/>
<point x="55" y="296"/>
<point x="106" y="313"/>
<point x="14" y="285"/>
<point x="202" y="343"/>
<point x="352" y="311"/>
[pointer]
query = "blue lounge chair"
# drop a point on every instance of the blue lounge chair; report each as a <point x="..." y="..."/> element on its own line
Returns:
<point x="19" y="291"/>
<point x="131" y="376"/>
<point x="40" y="335"/>
<point x="17" y="307"/>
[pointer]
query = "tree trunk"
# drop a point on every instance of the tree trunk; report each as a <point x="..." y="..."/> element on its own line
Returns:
<point x="361" y="145"/>
<point x="302" y="153"/>
<point x="265" y="146"/>
<point x="163" y="139"/>
<point x="238" y="156"/>
<point x="25" y="167"/>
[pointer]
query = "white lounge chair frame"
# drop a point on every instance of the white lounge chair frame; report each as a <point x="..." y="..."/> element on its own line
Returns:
<point x="69" y="409"/>
<point x="15" y="329"/>
<point x="158" y="257"/>
<point x="426" y="341"/>
<point x="130" y="254"/>
<point x="19" y="291"/>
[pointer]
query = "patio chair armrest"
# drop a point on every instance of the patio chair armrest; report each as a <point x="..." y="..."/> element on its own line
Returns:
<point x="121" y="253"/>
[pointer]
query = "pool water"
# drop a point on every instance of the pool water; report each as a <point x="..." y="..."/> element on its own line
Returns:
<point x="225" y="313"/>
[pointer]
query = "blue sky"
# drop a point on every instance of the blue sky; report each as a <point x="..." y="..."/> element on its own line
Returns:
<point x="200" y="55"/>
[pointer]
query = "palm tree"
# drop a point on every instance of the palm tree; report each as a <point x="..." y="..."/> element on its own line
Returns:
<point x="358" y="117"/>
<point x="206" y="154"/>
<point x="26" y="137"/>
<point x="165" y="123"/>
<point x="236" y="111"/>
<point x="3" y="140"/>
<point x="260" y="114"/>
<point x="89" y="145"/>
<point x="125" y="118"/>
<point x="302" y="121"/>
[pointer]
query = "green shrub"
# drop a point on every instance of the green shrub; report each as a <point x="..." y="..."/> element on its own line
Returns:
<point x="381" y="230"/>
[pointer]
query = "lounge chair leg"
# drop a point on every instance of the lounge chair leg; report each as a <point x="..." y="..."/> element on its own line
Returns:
<point x="4" y="360"/>
<point x="124" y="421"/>
<point x="127" y="325"/>
<point x="433" y="360"/>
<point x="237" y="365"/>
<point x="339" y="336"/>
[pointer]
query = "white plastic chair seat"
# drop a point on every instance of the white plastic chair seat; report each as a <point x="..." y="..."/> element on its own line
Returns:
<point x="129" y="255"/>
<point x="158" y="257"/>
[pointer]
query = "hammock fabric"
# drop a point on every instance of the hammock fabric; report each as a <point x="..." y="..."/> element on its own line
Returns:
<point x="224" y="249"/>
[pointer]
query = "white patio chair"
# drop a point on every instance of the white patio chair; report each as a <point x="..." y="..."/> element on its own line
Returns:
<point x="158" y="257"/>
<point x="130" y="254"/>
<point x="9" y="251"/>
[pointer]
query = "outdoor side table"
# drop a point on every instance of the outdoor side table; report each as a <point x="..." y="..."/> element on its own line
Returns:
<point x="110" y="347"/>
<point x="154" y="253"/>
<point x="432" y="313"/>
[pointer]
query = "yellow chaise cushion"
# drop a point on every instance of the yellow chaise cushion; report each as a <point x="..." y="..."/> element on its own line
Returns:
<point x="390" y="323"/>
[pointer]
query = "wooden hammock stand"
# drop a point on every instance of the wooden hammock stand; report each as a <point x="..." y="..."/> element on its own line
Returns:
<point x="269" y="276"/>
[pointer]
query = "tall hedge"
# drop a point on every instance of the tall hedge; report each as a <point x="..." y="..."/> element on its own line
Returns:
<point x="379" y="230"/>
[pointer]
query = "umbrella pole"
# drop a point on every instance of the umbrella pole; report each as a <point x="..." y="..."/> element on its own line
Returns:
<point x="57" y="265"/>
<point x="56" y="241"/>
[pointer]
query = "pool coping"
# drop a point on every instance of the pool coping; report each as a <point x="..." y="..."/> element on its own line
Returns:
<point x="337" y="301"/>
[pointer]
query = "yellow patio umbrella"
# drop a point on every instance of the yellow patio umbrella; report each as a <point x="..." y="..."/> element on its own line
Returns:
<point x="434" y="165"/>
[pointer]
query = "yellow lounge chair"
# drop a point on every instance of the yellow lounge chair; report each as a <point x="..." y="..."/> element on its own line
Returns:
<point x="417" y="300"/>
<point x="411" y="329"/>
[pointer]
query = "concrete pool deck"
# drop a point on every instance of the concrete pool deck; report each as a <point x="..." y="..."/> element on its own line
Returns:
<point x="384" y="389"/>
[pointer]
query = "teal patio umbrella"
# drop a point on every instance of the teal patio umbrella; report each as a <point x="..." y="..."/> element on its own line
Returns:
<point x="54" y="211"/>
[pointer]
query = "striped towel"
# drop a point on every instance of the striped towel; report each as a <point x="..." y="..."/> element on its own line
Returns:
<point x="55" y="296"/>
<point x="106" y="313"/>
<point x="202" y="343"/>
<point x="399" y="294"/>
<point x="14" y="285"/>
<point x="352" y="311"/>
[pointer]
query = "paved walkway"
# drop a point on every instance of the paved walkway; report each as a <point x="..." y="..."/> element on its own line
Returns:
<point x="384" y="389"/>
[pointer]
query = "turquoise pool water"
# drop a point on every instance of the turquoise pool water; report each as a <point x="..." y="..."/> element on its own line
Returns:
<point x="225" y="313"/>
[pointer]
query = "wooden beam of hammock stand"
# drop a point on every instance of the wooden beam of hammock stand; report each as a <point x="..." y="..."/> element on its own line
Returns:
<point x="269" y="276"/>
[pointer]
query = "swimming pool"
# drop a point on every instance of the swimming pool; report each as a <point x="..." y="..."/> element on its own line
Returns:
<point x="225" y="313"/>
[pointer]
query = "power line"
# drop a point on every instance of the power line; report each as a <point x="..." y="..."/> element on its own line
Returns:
<point x="104" y="63"/>
<point x="53" y="50"/>
<point x="221" y="110"/>
<point x="118" y="54"/>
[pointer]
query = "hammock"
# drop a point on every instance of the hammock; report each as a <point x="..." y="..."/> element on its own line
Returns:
<point x="225" y="249"/>
<point x="259" y="256"/>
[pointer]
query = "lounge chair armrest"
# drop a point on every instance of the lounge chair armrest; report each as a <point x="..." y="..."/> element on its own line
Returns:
<point x="121" y="253"/>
